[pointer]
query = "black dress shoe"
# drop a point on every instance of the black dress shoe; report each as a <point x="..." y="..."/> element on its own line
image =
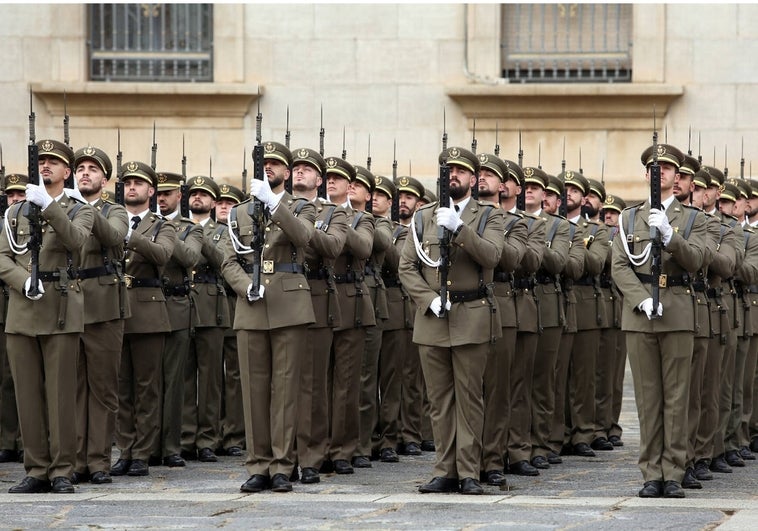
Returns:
<point x="206" y="455"/>
<point x="411" y="448"/>
<point x="702" y="472"/>
<point x="234" y="451"/>
<point x="154" y="460"/>
<point x="567" y="449"/>
<point x="439" y="485"/>
<point x="388" y="455"/>
<point x="651" y="489"/>
<point x="341" y="466"/>
<point x="62" y="485"/>
<point x="540" y="462"/>
<point x="495" y="478"/>
<point x="615" y="440"/>
<point x="672" y="489"/>
<point x="359" y="461"/>
<point x="754" y="444"/>
<point x="309" y="475"/>
<point x="427" y="446"/>
<point x="554" y="459"/>
<point x="471" y="486"/>
<point x="746" y="454"/>
<point x="20" y="456"/>
<point x="137" y="468"/>
<point x="174" y="461"/>
<point x="327" y="467"/>
<point x="281" y="483"/>
<point x="8" y="456"/>
<point x="523" y="468"/>
<point x="30" y="485"/>
<point x="719" y="465"/>
<point x="583" y="450"/>
<point x="121" y="467"/>
<point x="189" y="455"/>
<point x="733" y="459"/>
<point x="98" y="478"/>
<point x="601" y="444"/>
<point x="690" y="481"/>
<point x="295" y="476"/>
<point x="255" y="483"/>
<point x="79" y="477"/>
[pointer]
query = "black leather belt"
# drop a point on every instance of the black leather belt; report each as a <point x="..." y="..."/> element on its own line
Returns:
<point x="586" y="280"/>
<point x="269" y="267"/>
<point x="92" y="272"/>
<point x="501" y="276"/>
<point x="465" y="296"/>
<point x="544" y="278"/>
<point x="49" y="276"/>
<point x="176" y="291"/>
<point x="132" y="282"/>
<point x="752" y="289"/>
<point x="699" y="285"/>
<point x="205" y="278"/>
<point x="714" y="292"/>
<point x="606" y="281"/>
<point x="347" y="277"/>
<point x="391" y="282"/>
<point x="523" y="283"/>
<point x="318" y="274"/>
<point x="665" y="280"/>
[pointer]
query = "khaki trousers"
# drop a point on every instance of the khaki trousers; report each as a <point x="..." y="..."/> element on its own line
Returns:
<point x="232" y="415"/>
<point x="10" y="436"/>
<point x="175" y="354"/>
<point x="203" y="377"/>
<point x="695" y="409"/>
<point x="497" y="385"/>
<point x="345" y="378"/>
<point x="369" y="389"/>
<point x="390" y="388"/>
<point x="411" y="392"/>
<point x="581" y="385"/>
<point x="313" y="400"/>
<point x="543" y="389"/>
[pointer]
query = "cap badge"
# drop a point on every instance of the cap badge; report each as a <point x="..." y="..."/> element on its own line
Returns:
<point x="89" y="150"/>
<point x="483" y="158"/>
<point x="269" y="147"/>
<point x="162" y="178"/>
<point x="528" y="172"/>
<point x="224" y="189"/>
<point x="378" y="181"/>
<point x="404" y="181"/>
<point x="609" y="200"/>
<point x="104" y="195"/>
<point x="199" y="181"/>
<point x="47" y="145"/>
<point x="661" y="149"/>
<point x="13" y="179"/>
<point x="331" y="162"/>
<point x="722" y="188"/>
<point x="302" y="153"/>
<point x="569" y="175"/>
<point x="131" y="166"/>
<point x="454" y="153"/>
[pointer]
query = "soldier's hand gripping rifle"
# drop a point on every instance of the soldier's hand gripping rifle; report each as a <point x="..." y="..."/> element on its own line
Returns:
<point x="655" y="235"/>
<point x="33" y="213"/>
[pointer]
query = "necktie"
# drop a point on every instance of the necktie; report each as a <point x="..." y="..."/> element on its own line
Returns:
<point x="457" y="209"/>
<point x="135" y="222"/>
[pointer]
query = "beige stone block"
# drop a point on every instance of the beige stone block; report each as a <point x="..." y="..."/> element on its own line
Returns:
<point x="68" y="20"/>
<point x="259" y="59"/>
<point x="11" y="62"/>
<point x="228" y="60"/>
<point x="24" y="20"/>
<point x="395" y="62"/>
<point x="317" y="62"/>
<point x="747" y="19"/>
<point x="430" y="21"/>
<point x="648" y="36"/>
<point x="680" y="61"/>
<point x="724" y="61"/>
<point x="229" y="20"/>
<point x="701" y="22"/>
<point x="356" y="21"/>
<point x="746" y="112"/>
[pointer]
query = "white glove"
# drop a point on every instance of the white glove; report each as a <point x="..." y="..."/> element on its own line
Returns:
<point x="436" y="306"/>
<point x="658" y="219"/>
<point x="128" y="234"/>
<point x="28" y="284"/>
<point x="75" y="193"/>
<point x="252" y="297"/>
<point x="448" y="218"/>
<point x="262" y="190"/>
<point x="38" y="195"/>
<point x="647" y="307"/>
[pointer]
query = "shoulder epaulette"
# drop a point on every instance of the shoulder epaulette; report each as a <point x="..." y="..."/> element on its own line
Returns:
<point x="429" y="205"/>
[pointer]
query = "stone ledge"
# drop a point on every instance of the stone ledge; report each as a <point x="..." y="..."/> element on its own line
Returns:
<point x="559" y="106"/>
<point x="193" y="100"/>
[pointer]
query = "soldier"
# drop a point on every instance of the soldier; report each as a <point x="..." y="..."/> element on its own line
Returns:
<point x="615" y="343"/>
<point x="150" y="242"/>
<point x="454" y="334"/>
<point x="357" y="314"/>
<point x="360" y="194"/>
<point x="328" y="240"/>
<point x="42" y="329"/>
<point x="500" y="181"/>
<point x="412" y="395"/>
<point x="552" y="318"/>
<point x="201" y="428"/>
<point x="660" y="349"/>
<point x="182" y="316"/>
<point x="11" y="448"/>
<point x="232" y="416"/>
<point x="106" y="308"/>
<point x="271" y="320"/>
<point x="750" y="396"/>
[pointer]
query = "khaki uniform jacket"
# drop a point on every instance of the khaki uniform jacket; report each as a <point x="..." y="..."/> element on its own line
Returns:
<point x="720" y="257"/>
<point x="473" y="259"/>
<point x="147" y="252"/>
<point x="208" y="291"/>
<point x="527" y="312"/>
<point x="105" y="294"/>
<point x="178" y="273"/>
<point x="382" y="242"/>
<point x="592" y="313"/>
<point x="749" y="270"/>
<point x="679" y="257"/>
<point x="62" y="239"/>
<point x="400" y="304"/>
<point x="572" y="272"/>
<point x="554" y="259"/>
<point x="325" y="246"/>
<point x="516" y="230"/>
<point x="286" y="300"/>
<point x="355" y="302"/>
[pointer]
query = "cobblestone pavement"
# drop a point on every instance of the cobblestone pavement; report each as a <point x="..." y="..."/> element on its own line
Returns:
<point x="582" y="493"/>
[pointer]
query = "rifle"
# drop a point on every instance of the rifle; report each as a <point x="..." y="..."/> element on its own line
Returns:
<point x="119" y="188"/>
<point x="184" y="206"/>
<point x="344" y="151"/>
<point x="154" y="152"/>
<point x="443" y="235"/>
<point x="322" y="187"/>
<point x="497" y="146"/>
<point x="288" y="182"/>
<point x="69" y="182"/>
<point x="3" y="197"/>
<point x="726" y="163"/>
<point x="256" y="208"/>
<point x="742" y="160"/>
<point x="244" y="171"/>
<point x="33" y="212"/>
<point x="395" y="208"/>
<point x="521" y="199"/>
<point x="475" y="188"/>
<point x="655" y="235"/>
<point x="563" y="209"/>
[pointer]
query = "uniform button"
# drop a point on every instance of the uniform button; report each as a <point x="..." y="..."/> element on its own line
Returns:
<point x="268" y="229"/>
<point x="449" y="282"/>
<point x="268" y="281"/>
<point x="266" y="246"/>
<point x="299" y="285"/>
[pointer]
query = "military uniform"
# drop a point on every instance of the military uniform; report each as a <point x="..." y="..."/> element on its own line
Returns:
<point x="454" y="349"/>
<point x="660" y="350"/>
<point x="106" y="307"/>
<point x="148" y="250"/>
<point x="272" y="328"/>
<point x="42" y="335"/>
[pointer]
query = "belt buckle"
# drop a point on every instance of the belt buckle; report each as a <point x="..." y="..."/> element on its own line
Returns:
<point x="662" y="281"/>
<point x="268" y="267"/>
<point x="128" y="280"/>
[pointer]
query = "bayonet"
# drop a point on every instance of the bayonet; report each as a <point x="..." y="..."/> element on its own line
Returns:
<point x="473" y="139"/>
<point x="580" y="162"/>
<point x="66" y="136"/>
<point x="563" y="160"/>
<point x="726" y="163"/>
<point x="444" y="129"/>
<point x="368" y="156"/>
<point x="154" y="150"/>
<point x="539" y="155"/>
<point x="497" y="146"/>
<point x="344" y="151"/>
<point x="689" y="141"/>
<point x="520" y="151"/>
<point x="394" y="160"/>
<point x="321" y="134"/>
<point x="742" y="159"/>
<point x="244" y="172"/>
<point x="287" y="134"/>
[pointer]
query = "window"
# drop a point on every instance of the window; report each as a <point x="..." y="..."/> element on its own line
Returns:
<point x="150" y="42"/>
<point x="563" y="43"/>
